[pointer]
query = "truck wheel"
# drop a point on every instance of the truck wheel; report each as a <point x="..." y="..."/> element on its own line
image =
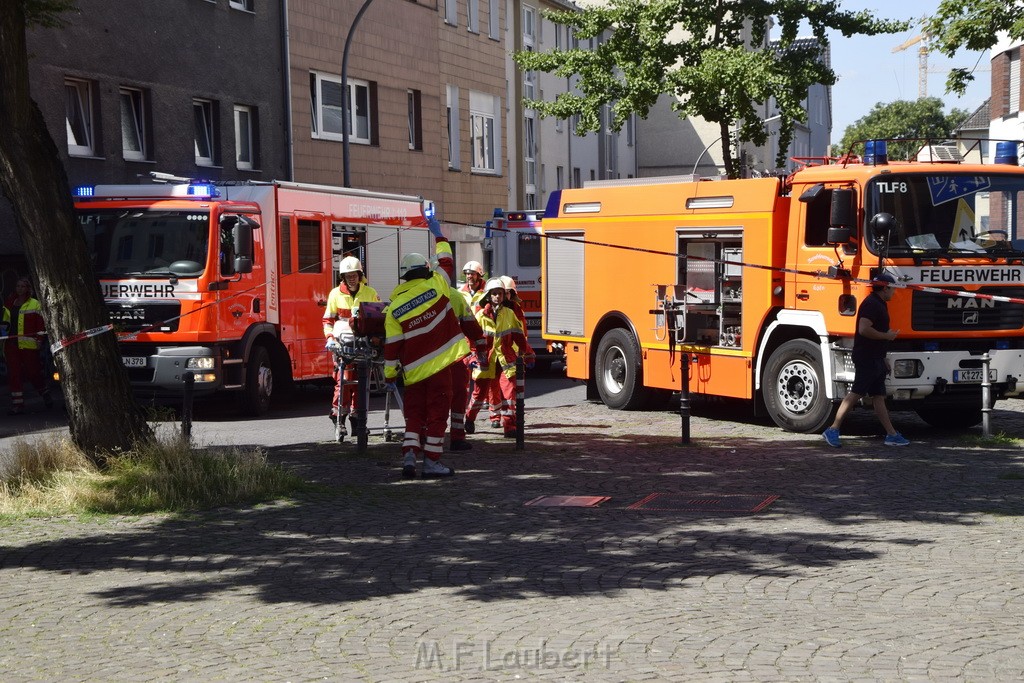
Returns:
<point x="617" y="371"/>
<point x="951" y="417"/>
<point x="259" y="382"/>
<point x="794" y="387"/>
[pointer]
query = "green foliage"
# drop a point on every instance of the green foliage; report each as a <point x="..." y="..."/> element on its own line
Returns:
<point x="53" y="477"/>
<point x="921" y="118"/>
<point x="972" y="25"/>
<point x="712" y="57"/>
<point x="47" y="13"/>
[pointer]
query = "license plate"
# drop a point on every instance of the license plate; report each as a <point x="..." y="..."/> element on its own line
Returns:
<point x="973" y="375"/>
<point x="134" y="361"/>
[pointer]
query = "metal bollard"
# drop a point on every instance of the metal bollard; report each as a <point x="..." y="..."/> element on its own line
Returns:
<point x="520" y="404"/>
<point x="986" y="395"/>
<point x="684" y="399"/>
<point x="186" y="407"/>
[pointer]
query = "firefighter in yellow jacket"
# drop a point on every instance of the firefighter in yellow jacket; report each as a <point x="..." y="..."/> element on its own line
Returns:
<point x="341" y="303"/>
<point x="423" y="338"/>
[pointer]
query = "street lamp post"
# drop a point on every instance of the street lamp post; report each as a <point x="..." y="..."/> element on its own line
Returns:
<point x="344" y="94"/>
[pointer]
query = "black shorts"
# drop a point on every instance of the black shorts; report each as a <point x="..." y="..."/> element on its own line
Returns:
<point x="869" y="377"/>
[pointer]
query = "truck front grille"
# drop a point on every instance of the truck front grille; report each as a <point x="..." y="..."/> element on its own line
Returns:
<point x="939" y="312"/>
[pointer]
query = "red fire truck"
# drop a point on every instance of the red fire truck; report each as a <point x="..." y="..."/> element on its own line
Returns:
<point x="230" y="281"/>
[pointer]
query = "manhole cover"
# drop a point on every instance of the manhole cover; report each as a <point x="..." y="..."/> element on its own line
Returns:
<point x="567" y="501"/>
<point x="712" y="502"/>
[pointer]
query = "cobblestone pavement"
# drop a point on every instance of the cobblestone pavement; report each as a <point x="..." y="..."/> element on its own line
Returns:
<point x="872" y="564"/>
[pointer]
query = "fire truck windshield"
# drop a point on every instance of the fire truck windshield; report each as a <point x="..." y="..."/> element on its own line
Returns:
<point x="953" y="215"/>
<point x="141" y="243"/>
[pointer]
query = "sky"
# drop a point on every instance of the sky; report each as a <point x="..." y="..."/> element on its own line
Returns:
<point x="868" y="71"/>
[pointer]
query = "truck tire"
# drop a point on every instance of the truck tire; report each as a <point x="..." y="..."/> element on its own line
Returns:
<point x="794" y="387"/>
<point x="951" y="417"/>
<point x="617" y="371"/>
<point x="259" y="382"/>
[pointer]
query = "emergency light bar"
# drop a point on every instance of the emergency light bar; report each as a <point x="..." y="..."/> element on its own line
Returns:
<point x="190" y="191"/>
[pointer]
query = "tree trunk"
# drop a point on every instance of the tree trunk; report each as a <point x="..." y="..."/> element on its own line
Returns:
<point x="102" y="414"/>
<point x="727" y="159"/>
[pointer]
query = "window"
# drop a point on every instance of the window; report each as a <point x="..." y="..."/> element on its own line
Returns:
<point x="484" y="126"/>
<point x="80" y="117"/>
<point x="452" y="95"/>
<point x="473" y="16"/>
<point x="629" y="130"/>
<point x="492" y="19"/>
<point x="576" y="181"/>
<point x="286" y="245"/>
<point x="558" y="37"/>
<point x="247" y="5"/>
<point x="134" y="141"/>
<point x="559" y="177"/>
<point x="310" y="260"/>
<point x="325" y="100"/>
<point x="1015" y="81"/>
<point x="529" y="27"/>
<point x="244" y="153"/>
<point x="205" y="132"/>
<point x="451" y="12"/>
<point x="529" y="250"/>
<point x="529" y="154"/>
<point x="415" y="119"/>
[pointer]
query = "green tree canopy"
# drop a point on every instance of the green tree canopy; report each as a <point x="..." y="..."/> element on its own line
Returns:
<point x="921" y="118"/>
<point x="713" y="57"/>
<point x="972" y="25"/>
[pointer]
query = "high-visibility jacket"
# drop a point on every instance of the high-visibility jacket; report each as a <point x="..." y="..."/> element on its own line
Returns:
<point x="422" y="334"/>
<point x="341" y="303"/>
<point x="468" y="323"/>
<point x="29" y="323"/>
<point x="472" y="296"/>
<point x="505" y="339"/>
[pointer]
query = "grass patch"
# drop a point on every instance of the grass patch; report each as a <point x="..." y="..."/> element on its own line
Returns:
<point x="1000" y="439"/>
<point x="52" y="477"/>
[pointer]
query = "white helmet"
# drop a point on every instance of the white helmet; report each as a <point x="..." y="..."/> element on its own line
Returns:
<point x="473" y="266"/>
<point x="349" y="264"/>
<point x="508" y="282"/>
<point x="412" y="262"/>
<point x="494" y="283"/>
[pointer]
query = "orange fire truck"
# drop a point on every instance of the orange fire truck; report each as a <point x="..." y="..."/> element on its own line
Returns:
<point x="230" y="281"/>
<point x="756" y="283"/>
<point x="512" y="248"/>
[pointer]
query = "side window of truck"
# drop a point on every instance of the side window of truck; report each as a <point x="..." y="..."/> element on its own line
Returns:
<point x="818" y="217"/>
<point x="286" y="245"/>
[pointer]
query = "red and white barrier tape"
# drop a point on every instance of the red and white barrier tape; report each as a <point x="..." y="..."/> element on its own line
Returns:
<point x="94" y="332"/>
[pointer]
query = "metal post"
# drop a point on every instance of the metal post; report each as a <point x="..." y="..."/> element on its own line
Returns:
<point x="684" y="400"/>
<point x="186" y="408"/>
<point x="986" y="395"/>
<point x="362" y="399"/>
<point x="520" y="404"/>
<point x="344" y="93"/>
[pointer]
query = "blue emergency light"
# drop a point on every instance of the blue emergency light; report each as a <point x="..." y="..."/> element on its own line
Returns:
<point x="201" y="190"/>
<point x="876" y="153"/>
<point x="84" y="191"/>
<point x="1006" y="152"/>
<point x="429" y="210"/>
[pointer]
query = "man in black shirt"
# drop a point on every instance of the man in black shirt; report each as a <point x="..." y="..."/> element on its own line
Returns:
<point x="869" y="362"/>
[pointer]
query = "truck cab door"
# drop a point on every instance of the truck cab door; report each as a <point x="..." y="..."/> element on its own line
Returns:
<point x="821" y="282"/>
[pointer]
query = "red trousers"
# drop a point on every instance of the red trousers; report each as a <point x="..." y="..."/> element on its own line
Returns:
<point x="22" y="365"/>
<point x="347" y="404"/>
<point x="460" y="397"/>
<point x="427" y="404"/>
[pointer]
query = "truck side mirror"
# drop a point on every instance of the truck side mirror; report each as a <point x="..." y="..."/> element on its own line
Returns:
<point x="241" y="236"/>
<point x="842" y="211"/>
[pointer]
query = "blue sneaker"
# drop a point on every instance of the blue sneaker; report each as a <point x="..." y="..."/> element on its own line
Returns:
<point x="832" y="437"/>
<point x="896" y="439"/>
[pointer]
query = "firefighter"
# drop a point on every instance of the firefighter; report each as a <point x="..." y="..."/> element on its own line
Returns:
<point x="507" y="341"/>
<point x="352" y="290"/>
<point x="473" y="289"/>
<point x="461" y="371"/>
<point x="24" y="316"/>
<point x="423" y="339"/>
<point x="512" y="300"/>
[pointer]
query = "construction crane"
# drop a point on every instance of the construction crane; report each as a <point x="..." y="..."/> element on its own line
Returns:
<point x="922" y="61"/>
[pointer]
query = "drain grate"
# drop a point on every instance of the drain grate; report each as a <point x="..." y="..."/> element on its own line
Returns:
<point x="567" y="501"/>
<point x="712" y="502"/>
